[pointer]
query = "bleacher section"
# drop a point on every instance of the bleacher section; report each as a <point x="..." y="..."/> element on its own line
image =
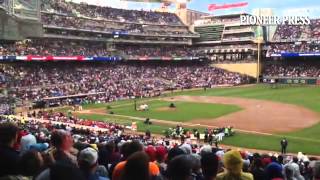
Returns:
<point x="295" y="40"/>
<point x="223" y="29"/>
<point x="210" y="33"/>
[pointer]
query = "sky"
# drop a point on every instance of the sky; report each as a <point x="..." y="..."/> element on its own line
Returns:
<point x="309" y="8"/>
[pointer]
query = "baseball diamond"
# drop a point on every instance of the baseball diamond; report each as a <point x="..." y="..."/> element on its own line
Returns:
<point x="122" y="90"/>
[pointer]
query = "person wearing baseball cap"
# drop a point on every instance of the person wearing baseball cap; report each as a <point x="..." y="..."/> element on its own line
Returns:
<point x="88" y="163"/>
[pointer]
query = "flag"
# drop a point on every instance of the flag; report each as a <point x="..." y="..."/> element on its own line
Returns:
<point x="212" y="7"/>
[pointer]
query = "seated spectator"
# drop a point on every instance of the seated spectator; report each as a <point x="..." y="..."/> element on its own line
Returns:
<point x="209" y="165"/>
<point x="129" y="149"/>
<point x="26" y="142"/>
<point x="161" y="155"/>
<point x="62" y="143"/>
<point x="9" y="161"/>
<point x="31" y="164"/>
<point x="88" y="163"/>
<point x="257" y="168"/>
<point x="274" y="170"/>
<point x="181" y="168"/>
<point x="137" y="167"/>
<point x="61" y="170"/>
<point x="233" y="163"/>
<point x="316" y="171"/>
<point x="176" y="151"/>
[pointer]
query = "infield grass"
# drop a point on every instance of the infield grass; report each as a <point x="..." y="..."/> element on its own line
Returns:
<point x="184" y="111"/>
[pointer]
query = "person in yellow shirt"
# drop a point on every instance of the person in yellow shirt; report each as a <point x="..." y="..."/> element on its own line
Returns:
<point x="233" y="163"/>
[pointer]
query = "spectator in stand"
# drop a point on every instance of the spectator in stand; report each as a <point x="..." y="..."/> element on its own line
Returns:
<point x="111" y="14"/>
<point x="209" y="165"/>
<point x="88" y="164"/>
<point x="180" y="165"/>
<point x="161" y="155"/>
<point x="62" y="170"/>
<point x="233" y="164"/>
<point x="109" y="82"/>
<point x="129" y="149"/>
<point x="273" y="171"/>
<point x="63" y="145"/>
<point x="301" y="69"/>
<point x="181" y="168"/>
<point x="257" y="168"/>
<point x="316" y="171"/>
<point x="30" y="164"/>
<point x="9" y="156"/>
<point x="137" y="167"/>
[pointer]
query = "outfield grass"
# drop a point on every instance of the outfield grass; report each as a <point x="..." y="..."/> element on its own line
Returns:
<point x="184" y="111"/>
<point x="306" y="140"/>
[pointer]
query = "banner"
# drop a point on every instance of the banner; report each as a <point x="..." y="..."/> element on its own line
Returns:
<point x="143" y="58"/>
<point x="106" y="58"/>
<point x="295" y="55"/>
<point x="213" y="7"/>
<point x="53" y="58"/>
<point x="166" y="58"/>
<point x="99" y="58"/>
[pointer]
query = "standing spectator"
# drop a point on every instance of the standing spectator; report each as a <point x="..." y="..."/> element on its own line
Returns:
<point x="284" y="144"/>
<point x="9" y="157"/>
<point x="233" y="163"/>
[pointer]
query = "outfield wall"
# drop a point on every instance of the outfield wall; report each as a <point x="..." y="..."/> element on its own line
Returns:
<point x="249" y="69"/>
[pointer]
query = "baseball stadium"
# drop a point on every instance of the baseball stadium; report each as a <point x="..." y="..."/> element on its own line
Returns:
<point x="104" y="91"/>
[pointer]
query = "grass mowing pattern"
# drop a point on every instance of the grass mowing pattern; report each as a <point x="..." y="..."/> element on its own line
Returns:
<point x="184" y="111"/>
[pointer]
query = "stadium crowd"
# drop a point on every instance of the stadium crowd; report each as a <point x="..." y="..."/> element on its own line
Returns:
<point x="31" y="149"/>
<point x="112" y="14"/>
<point x="293" y="33"/>
<point x="110" y="27"/>
<point x="298" y="47"/>
<point x="111" y="81"/>
<point x="52" y="47"/>
<point x="298" y="69"/>
<point x="165" y="51"/>
<point x="288" y="32"/>
<point x="48" y="47"/>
